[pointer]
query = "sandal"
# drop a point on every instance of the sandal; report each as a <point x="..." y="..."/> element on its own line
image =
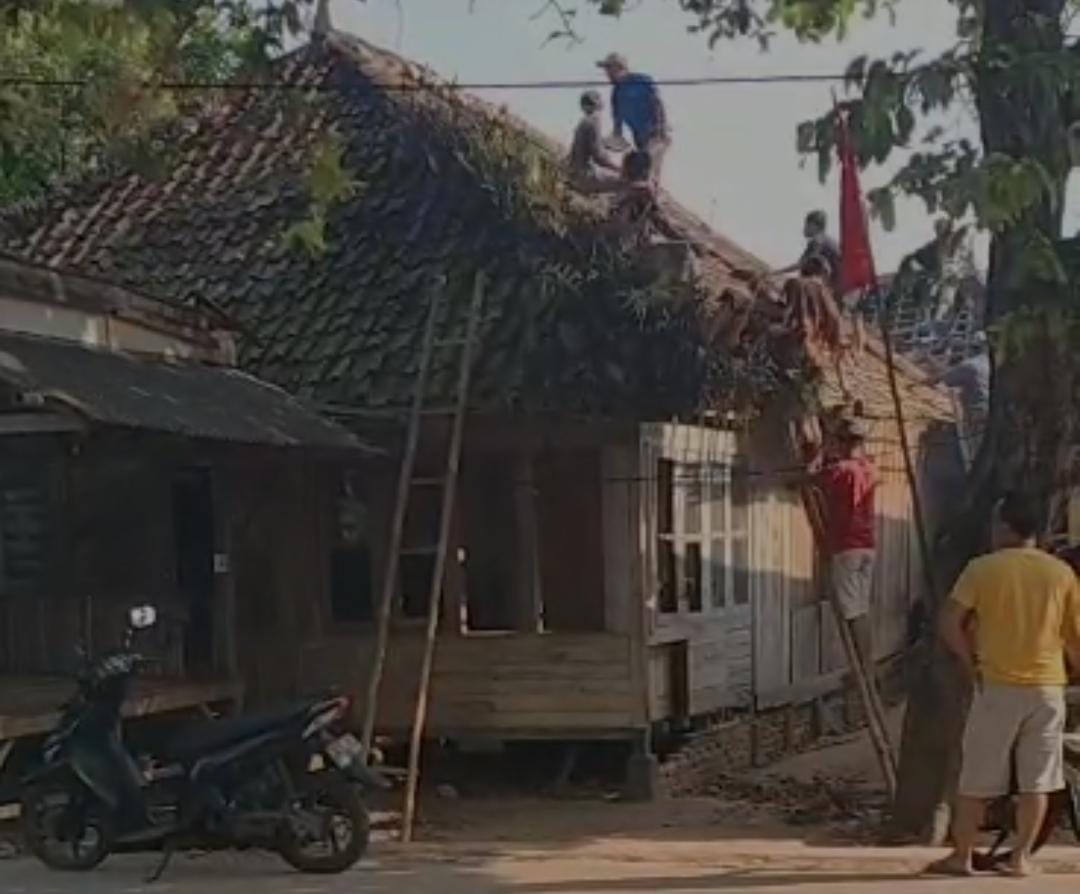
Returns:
<point x="950" y="868"/>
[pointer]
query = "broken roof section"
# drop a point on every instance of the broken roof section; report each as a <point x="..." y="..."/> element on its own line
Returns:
<point x="76" y="350"/>
<point x="445" y="186"/>
<point x="183" y="398"/>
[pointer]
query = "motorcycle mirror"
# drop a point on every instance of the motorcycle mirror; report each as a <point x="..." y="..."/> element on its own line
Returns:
<point x="142" y="617"/>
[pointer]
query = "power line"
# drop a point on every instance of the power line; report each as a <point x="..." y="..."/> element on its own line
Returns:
<point x="706" y="81"/>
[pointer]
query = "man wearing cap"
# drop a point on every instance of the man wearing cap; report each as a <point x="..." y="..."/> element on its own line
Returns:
<point x="848" y="481"/>
<point x="636" y="104"/>
<point x="589" y="161"/>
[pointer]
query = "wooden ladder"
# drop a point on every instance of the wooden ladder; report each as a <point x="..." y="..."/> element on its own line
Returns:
<point x="433" y="341"/>
<point x="862" y="671"/>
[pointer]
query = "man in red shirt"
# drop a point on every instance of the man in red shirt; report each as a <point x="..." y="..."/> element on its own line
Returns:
<point x="848" y="481"/>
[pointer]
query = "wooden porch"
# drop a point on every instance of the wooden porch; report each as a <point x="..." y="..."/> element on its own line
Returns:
<point x="499" y="685"/>
<point x="29" y="705"/>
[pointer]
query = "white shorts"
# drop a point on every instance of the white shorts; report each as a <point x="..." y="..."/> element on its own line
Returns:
<point x="1014" y="728"/>
<point x="852" y="581"/>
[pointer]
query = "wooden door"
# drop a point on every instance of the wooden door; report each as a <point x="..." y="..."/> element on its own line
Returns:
<point x="570" y="526"/>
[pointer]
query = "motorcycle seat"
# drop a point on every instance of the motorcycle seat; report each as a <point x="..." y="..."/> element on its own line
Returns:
<point x="215" y="735"/>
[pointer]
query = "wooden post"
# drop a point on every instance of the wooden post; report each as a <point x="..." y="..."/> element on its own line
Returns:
<point x="225" y="652"/>
<point x="909" y="467"/>
<point x="529" y="609"/>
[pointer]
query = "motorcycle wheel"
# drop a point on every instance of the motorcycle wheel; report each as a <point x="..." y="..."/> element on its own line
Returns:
<point x="343" y="828"/>
<point x="65" y="826"/>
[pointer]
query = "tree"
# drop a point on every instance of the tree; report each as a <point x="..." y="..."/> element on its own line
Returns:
<point x="84" y="83"/>
<point x="1015" y="68"/>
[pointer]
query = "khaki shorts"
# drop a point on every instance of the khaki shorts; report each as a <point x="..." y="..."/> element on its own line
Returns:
<point x="852" y="581"/>
<point x="657" y="147"/>
<point x="1021" y="722"/>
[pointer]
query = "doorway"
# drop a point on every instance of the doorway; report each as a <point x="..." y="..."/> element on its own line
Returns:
<point x="193" y="530"/>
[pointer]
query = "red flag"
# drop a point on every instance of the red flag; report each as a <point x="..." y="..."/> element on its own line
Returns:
<point x="856" y="256"/>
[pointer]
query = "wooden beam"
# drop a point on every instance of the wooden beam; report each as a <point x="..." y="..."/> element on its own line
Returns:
<point x="225" y="652"/>
<point x="530" y="599"/>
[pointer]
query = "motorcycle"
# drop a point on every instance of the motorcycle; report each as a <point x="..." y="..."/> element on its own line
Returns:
<point x="290" y="781"/>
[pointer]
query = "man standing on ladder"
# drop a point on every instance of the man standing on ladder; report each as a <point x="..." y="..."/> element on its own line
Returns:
<point x="848" y="482"/>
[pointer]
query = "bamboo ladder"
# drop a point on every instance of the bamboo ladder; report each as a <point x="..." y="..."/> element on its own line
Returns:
<point x="864" y="680"/>
<point x="433" y="341"/>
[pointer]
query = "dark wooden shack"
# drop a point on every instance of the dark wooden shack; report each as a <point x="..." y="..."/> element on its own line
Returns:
<point x="137" y="466"/>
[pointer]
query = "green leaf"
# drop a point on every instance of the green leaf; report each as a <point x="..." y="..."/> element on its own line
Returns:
<point x="883" y="206"/>
<point x="308" y="235"/>
<point x="806" y="137"/>
<point x="327" y="181"/>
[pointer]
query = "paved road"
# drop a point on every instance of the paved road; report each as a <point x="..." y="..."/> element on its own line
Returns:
<point x="548" y="873"/>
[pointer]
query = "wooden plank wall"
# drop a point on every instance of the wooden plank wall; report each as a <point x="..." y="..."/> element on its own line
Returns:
<point x="798" y="640"/>
<point x="553" y="684"/>
<point x="281" y="542"/>
<point x="794" y="637"/>
<point x="110" y="547"/>
<point x="560" y="683"/>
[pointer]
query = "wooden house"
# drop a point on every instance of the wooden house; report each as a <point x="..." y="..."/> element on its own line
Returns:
<point x="137" y="465"/>
<point x="628" y="548"/>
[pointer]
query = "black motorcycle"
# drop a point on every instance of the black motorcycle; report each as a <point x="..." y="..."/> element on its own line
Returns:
<point x="289" y="781"/>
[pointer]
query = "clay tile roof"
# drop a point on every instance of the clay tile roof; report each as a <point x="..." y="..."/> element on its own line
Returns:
<point x="446" y="186"/>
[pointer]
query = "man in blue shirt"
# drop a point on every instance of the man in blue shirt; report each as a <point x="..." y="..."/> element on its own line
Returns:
<point x="636" y="104"/>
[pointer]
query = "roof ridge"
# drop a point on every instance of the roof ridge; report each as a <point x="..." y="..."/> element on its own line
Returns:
<point x="418" y="76"/>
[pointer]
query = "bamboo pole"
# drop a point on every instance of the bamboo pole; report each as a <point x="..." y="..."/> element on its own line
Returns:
<point x="397" y="525"/>
<point x="919" y="517"/>
<point x="435" y="594"/>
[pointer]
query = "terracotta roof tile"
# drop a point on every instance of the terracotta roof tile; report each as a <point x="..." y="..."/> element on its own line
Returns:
<point x="448" y="185"/>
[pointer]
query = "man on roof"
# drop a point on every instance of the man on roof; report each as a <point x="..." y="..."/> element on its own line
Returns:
<point x="636" y="215"/>
<point x="592" y="167"/>
<point x="636" y="104"/>
<point x="970" y="379"/>
<point x="819" y="244"/>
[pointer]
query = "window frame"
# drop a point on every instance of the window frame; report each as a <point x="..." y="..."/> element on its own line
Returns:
<point x="716" y="536"/>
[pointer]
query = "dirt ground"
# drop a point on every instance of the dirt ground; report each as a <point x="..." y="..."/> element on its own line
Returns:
<point x="578" y="862"/>
<point x="756" y="834"/>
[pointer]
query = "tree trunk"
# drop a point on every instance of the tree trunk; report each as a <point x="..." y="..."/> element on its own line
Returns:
<point x="1023" y="117"/>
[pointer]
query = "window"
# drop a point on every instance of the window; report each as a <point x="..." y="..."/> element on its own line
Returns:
<point x="729" y="538"/>
<point x="351" y="596"/>
<point x="703" y="537"/>
<point x="420" y="536"/>
<point x="681" y="498"/>
<point x="26" y="518"/>
<point x="666" y="536"/>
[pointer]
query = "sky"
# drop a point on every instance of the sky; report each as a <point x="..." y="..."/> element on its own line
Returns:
<point x="734" y="160"/>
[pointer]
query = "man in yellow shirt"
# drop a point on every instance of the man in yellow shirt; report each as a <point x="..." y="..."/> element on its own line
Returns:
<point x="1011" y="620"/>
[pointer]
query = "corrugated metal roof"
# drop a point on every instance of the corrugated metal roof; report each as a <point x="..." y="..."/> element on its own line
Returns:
<point x="189" y="399"/>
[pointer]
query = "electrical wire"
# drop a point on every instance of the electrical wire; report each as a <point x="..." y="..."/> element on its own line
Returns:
<point x="23" y="80"/>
